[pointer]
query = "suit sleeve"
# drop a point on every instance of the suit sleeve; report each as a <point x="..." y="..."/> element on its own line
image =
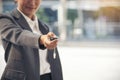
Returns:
<point x="13" y="33"/>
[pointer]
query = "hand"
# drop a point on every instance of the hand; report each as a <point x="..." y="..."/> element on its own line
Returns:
<point x="47" y="42"/>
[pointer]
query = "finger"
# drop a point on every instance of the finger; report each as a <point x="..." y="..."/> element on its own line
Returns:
<point x="54" y="44"/>
<point x="54" y="41"/>
<point x="51" y="45"/>
<point x="51" y="34"/>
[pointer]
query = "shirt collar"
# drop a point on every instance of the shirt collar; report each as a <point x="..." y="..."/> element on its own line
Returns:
<point x="27" y="18"/>
<point x="30" y="22"/>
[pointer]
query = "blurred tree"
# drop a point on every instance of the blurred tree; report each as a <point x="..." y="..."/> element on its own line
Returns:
<point x="42" y="16"/>
<point x="72" y="15"/>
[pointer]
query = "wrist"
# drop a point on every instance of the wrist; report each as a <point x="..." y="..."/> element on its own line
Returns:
<point x="41" y="45"/>
<point x="40" y="39"/>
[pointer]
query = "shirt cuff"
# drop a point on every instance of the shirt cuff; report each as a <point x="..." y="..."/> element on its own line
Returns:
<point x="41" y="46"/>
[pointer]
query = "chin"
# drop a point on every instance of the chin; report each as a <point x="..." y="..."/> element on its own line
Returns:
<point x="31" y="12"/>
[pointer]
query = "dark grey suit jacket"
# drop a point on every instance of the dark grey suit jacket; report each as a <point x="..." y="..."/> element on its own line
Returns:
<point x="21" y="49"/>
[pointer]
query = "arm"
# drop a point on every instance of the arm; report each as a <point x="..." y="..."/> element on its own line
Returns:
<point x="12" y="32"/>
<point x="15" y="34"/>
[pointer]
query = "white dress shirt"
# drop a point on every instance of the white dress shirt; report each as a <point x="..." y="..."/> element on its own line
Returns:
<point x="44" y="65"/>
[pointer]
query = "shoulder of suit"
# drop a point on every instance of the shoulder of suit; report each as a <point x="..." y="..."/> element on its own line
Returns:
<point x="8" y="16"/>
<point x="5" y="15"/>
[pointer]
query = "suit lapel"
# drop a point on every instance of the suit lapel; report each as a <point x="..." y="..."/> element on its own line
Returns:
<point x="23" y="23"/>
<point x="20" y="20"/>
<point x="43" y="28"/>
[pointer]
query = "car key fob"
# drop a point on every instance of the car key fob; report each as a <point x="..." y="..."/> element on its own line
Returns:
<point x="53" y="38"/>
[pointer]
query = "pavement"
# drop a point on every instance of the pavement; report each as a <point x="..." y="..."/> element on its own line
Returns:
<point x="86" y="63"/>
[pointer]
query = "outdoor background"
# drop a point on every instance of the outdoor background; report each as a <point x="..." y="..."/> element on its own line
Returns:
<point x="89" y="36"/>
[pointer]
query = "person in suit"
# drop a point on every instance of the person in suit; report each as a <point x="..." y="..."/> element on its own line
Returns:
<point x="30" y="53"/>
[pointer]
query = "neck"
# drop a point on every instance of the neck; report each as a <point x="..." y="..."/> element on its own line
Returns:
<point x="32" y="17"/>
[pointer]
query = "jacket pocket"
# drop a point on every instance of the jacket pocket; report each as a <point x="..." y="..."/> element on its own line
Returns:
<point x="14" y="75"/>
